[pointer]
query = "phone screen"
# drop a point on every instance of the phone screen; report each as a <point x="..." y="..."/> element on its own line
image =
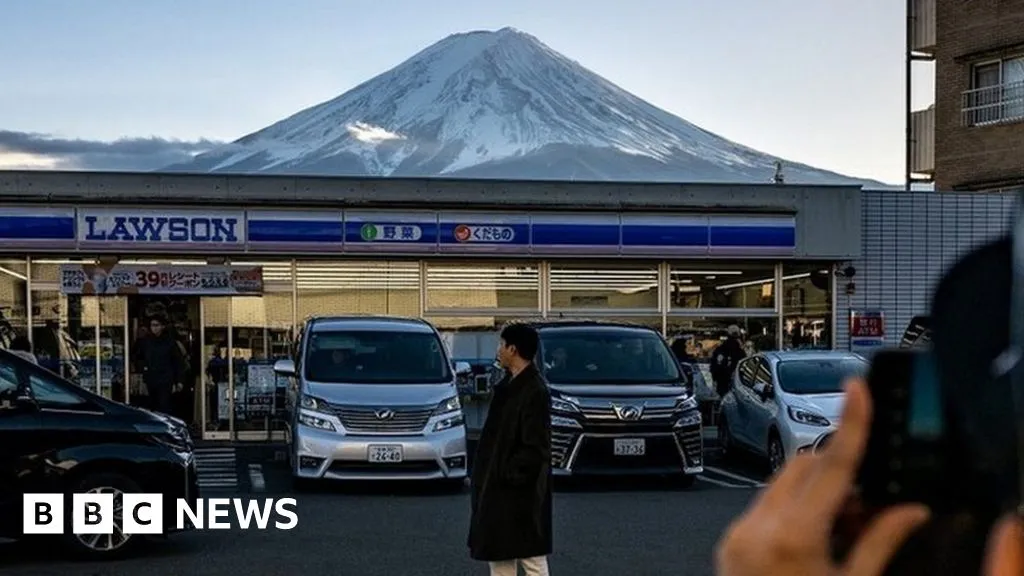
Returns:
<point x="926" y="422"/>
<point x="905" y="459"/>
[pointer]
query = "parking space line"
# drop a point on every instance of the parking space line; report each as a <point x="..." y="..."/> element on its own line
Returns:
<point x="719" y="482"/>
<point x="727" y="474"/>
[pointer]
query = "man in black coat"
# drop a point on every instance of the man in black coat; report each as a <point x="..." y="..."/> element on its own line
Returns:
<point x="511" y="477"/>
<point x="162" y="365"/>
<point x="724" y="359"/>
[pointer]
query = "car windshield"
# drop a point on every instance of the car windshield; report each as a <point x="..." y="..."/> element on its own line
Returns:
<point x="819" y="375"/>
<point x="376" y="357"/>
<point x="596" y="356"/>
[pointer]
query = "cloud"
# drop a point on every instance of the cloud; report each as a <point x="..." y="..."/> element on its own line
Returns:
<point x="28" y="151"/>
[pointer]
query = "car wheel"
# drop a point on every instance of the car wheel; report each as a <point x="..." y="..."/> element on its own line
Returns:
<point x="104" y="546"/>
<point x="776" y="454"/>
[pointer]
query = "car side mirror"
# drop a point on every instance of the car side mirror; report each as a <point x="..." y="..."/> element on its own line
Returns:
<point x="463" y="369"/>
<point x="284" y="367"/>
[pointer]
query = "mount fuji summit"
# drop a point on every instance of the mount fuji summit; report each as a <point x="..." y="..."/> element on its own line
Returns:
<point x="497" y="104"/>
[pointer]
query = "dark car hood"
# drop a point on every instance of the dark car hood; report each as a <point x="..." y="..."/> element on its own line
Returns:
<point x="619" y="390"/>
<point x="137" y="415"/>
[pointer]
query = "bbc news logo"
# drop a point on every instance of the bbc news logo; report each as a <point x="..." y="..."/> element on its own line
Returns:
<point x="144" y="514"/>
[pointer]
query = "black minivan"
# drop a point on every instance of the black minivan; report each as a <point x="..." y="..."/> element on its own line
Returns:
<point x="56" y="437"/>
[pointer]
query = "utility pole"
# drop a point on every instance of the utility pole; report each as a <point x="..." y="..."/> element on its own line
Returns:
<point x="779" y="177"/>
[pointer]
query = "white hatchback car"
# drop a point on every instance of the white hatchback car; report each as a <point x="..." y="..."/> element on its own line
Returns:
<point x="782" y="403"/>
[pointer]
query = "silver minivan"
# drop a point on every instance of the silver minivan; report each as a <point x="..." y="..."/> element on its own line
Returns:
<point x="374" y="398"/>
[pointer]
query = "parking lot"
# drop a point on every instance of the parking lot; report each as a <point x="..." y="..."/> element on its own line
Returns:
<point x="627" y="526"/>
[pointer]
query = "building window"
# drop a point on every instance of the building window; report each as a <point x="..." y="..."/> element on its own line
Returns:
<point x="357" y="287"/>
<point x="807" y="305"/>
<point x="603" y="288"/>
<point x="699" y="285"/>
<point x="481" y="286"/>
<point x="997" y="93"/>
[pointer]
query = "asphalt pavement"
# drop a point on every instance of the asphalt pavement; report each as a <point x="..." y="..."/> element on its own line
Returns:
<point x="625" y="526"/>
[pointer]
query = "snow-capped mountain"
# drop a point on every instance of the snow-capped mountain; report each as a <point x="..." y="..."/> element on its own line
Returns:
<point x="496" y="105"/>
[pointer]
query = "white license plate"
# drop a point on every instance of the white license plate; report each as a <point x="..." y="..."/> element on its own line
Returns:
<point x="385" y="454"/>
<point x="630" y="446"/>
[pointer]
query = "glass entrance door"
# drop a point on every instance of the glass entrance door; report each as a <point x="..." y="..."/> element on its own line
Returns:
<point x="217" y="395"/>
<point x="102" y="345"/>
<point x="112" y="347"/>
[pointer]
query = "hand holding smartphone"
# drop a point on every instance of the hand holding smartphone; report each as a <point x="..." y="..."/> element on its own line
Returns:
<point x="947" y="429"/>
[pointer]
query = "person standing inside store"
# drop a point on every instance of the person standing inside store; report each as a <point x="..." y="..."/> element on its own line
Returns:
<point x="724" y="359"/>
<point x="510" y="525"/>
<point x="162" y="365"/>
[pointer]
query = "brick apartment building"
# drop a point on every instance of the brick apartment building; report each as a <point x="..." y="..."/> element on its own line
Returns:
<point x="972" y="139"/>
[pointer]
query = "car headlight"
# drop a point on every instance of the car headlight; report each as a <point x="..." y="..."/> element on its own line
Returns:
<point x="314" y="421"/>
<point x="175" y="439"/>
<point x="563" y="405"/>
<point x="686" y="403"/>
<point x="313" y="413"/>
<point x="448" y="405"/>
<point x="453" y="421"/>
<point x="313" y="403"/>
<point x="805" y="417"/>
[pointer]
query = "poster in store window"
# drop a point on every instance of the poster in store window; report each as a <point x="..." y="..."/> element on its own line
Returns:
<point x="158" y="279"/>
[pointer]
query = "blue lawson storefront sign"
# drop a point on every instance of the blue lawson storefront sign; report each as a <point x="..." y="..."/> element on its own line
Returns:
<point x="223" y="229"/>
<point x="128" y="229"/>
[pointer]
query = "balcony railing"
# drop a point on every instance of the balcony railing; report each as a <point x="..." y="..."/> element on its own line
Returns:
<point x="1001" y="104"/>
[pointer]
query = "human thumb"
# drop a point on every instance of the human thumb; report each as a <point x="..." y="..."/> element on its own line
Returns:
<point x="1005" y="556"/>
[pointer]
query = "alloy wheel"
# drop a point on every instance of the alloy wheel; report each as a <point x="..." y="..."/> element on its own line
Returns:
<point x="117" y="538"/>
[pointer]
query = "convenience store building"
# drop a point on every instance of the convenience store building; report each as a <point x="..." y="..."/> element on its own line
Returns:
<point x="238" y="262"/>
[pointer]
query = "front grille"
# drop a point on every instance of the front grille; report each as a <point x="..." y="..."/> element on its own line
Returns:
<point x="607" y="413"/>
<point x="407" y="467"/>
<point x="561" y="446"/>
<point x="691" y="439"/>
<point x="597" y="454"/>
<point x="408" y="420"/>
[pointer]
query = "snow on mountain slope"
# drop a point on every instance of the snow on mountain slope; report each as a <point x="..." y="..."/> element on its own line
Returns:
<point x="496" y="105"/>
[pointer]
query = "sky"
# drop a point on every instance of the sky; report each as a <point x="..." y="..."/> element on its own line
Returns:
<point x="104" y="84"/>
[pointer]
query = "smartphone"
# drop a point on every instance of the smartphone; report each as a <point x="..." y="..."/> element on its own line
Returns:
<point x="948" y="425"/>
<point x="907" y="457"/>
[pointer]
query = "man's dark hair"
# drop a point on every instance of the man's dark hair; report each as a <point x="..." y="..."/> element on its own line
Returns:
<point x="524" y="338"/>
<point x="158" y="318"/>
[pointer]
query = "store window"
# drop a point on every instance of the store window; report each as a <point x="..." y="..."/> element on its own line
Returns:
<point x="357" y="287"/>
<point x="57" y="330"/>
<point x="47" y="271"/>
<point x="13" y="301"/>
<point x="262" y="334"/>
<point x="603" y="287"/>
<point x="735" y="286"/>
<point x="482" y="286"/>
<point x="807" y="305"/>
<point x="702" y="334"/>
